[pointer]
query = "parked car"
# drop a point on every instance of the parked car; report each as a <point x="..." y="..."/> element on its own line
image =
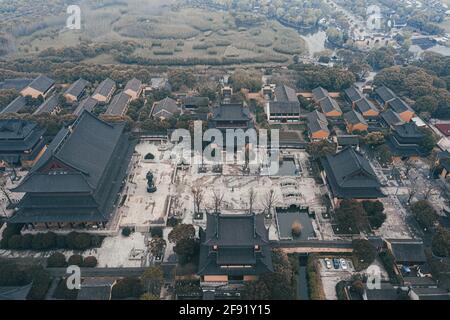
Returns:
<point x="336" y="263"/>
<point x="344" y="264"/>
<point x="328" y="263"/>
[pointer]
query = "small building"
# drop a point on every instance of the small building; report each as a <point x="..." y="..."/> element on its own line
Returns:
<point x="344" y="141"/>
<point x="165" y="109"/>
<point x="18" y="104"/>
<point x="119" y="105"/>
<point x="285" y="106"/>
<point x="407" y="252"/>
<point x="234" y="248"/>
<point x="77" y="180"/>
<point x="134" y="89"/>
<point x="349" y="175"/>
<point x="444" y="128"/>
<point x="105" y="90"/>
<point x="227" y="92"/>
<point x="87" y="104"/>
<point x="353" y="95"/>
<point x="391" y="119"/>
<point x="21" y="142"/>
<point x="366" y="108"/>
<point x="383" y="95"/>
<point x="330" y="107"/>
<point x="76" y="90"/>
<point x="355" y="122"/>
<point x="50" y="106"/>
<point x="41" y="86"/>
<point x="318" y="126"/>
<point x="405" y="112"/>
<point x="159" y="84"/>
<point x="319" y="94"/>
<point x="195" y="103"/>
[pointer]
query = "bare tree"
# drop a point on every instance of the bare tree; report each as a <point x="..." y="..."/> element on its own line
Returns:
<point x="413" y="189"/>
<point x="270" y="200"/>
<point x="218" y="199"/>
<point x="251" y="199"/>
<point x="198" y="194"/>
<point x="429" y="193"/>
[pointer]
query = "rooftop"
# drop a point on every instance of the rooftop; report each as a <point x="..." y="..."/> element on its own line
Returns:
<point x="48" y="106"/>
<point x="15" y="106"/>
<point x="42" y="84"/>
<point x="77" y="88"/>
<point x="118" y="105"/>
<point x="105" y="87"/>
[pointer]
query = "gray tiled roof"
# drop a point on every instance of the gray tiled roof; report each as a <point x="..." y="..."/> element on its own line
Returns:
<point x="399" y="106"/>
<point x="284" y="107"/>
<point x="353" y="94"/>
<point x="329" y="104"/>
<point x="319" y="94"/>
<point x="365" y="105"/>
<point x="385" y="94"/>
<point x="18" y="84"/>
<point x="408" y="251"/>
<point x="42" y="83"/>
<point x="231" y="112"/>
<point x="196" y="101"/>
<point x="350" y="175"/>
<point x="105" y="87"/>
<point x="77" y="88"/>
<point x="48" y="106"/>
<point x="87" y="104"/>
<point x="118" y="105"/>
<point x="133" y="85"/>
<point x="15" y="106"/>
<point x="391" y="118"/>
<point x="285" y="93"/>
<point x="317" y="122"/>
<point x="168" y="106"/>
<point x="354" y="117"/>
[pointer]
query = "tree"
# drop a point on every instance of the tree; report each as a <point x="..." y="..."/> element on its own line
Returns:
<point x="251" y="200"/>
<point x="127" y="288"/>
<point x="297" y="229"/>
<point x="270" y="201"/>
<point x="179" y="78"/>
<point x="186" y="249"/>
<point x="157" y="246"/>
<point x="152" y="280"/>
<point x="75" y="260"/>
<point x="424" y="213"/>
<point x="321" y="149"/>
<point x="181" y="232"/>
<point x="441" y="243"/>
<point x="90" y="262"/>
<point x="198" y="194"/>
<point x="256" y="290"/>
<point x="374" y="139"/>
<point x="56" y="260"/>
<point x="242" y="79"/>
<point x="351" y="217"/>
<point x="364" y="253"/>
<point x="375" y="213"/>
<point x="426" y="104"/>
<point x="218" y="199"/>
<point x="149" y="297"/>
<point x="358" y="287"/>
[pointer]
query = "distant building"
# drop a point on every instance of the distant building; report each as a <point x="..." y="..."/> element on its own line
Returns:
<point x="50" y="106"/>
<point x="133" y="89"/>
<point x="234" y="248"/>
<point x="406" y="141"/>
<point x="285" y="106"/>
<point x="105" y="90"/>
<point x="165" y="109"/>
<point x="18" y="104"/>
<point x="330" y="107"/>
<point x="366" y="108"/>
<point x="21" y="142"/>
<point x="383" y="95"/>
<point x="349" y="175"/>
<point x="195" y="103"/>
<point x="76" y="90"/>
<point x="87" y="104"/>
<point x="76" y="182"/>
<point x="353" y="95"/>
<point x="344" y="141"/>
<point x="317" y="126"/>
<point x="319" y="94"/>
<point x="402" y="109"/>
<point x="231" y="116"/>
<point x="40" y="86"/>
<point x="355" y="122"/>
<point x="119" y="105"/>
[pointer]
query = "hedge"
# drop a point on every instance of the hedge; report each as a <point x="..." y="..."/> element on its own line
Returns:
<point x="75" y="260"/>
<point x="314" y="282"/>
<point x="12" y="239"/>
<point x="56" y="260"/>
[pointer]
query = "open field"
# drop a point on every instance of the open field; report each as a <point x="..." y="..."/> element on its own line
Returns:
<point x="162" y="33"/>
